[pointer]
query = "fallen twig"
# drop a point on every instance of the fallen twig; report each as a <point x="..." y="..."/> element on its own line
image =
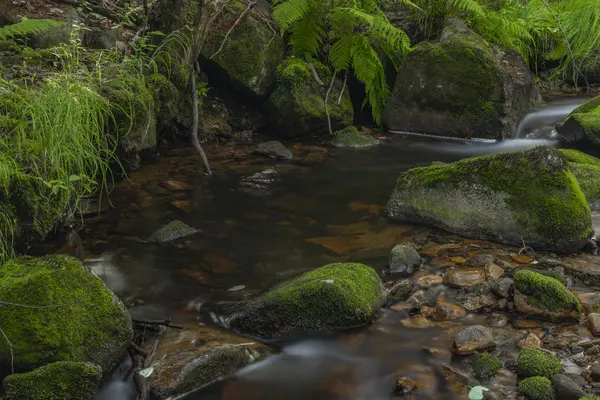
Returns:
<point x="525" y="247"/>
<point x="166" y="322"/>
<point x="138" y="350"/>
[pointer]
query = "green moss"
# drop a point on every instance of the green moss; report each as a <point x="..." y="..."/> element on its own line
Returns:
<point x="534" y="362"/>
<point x="335" y="296"/>
<point x="588" y="117"/>
<point x="351" y="137"/>
<point x="587" y="176"/>
<point x="578" y="157"/>
<point x="71" y="316"/>
<point x="590" y="398"/>
<point x="537" y="388"/>
<point x="542" y="192"/>
<point x="56" y="381"/>
<point x="545" y="292"/>
<point x="486" y="365"/>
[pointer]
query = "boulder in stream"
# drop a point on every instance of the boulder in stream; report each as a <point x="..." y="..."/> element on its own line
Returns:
<point x="473" y="339"/>
<point x="544" y="297"/>
<point x="63" y="380"/>
<point x="70" y="315"/>
<point x="587" y="170"/>
<point x="195" y="356"/>
<point x="274" y="149"/>
<point x="528" y="196"/>
<point x="583" y="124"/>
<point x="336" y="296"/>
<point x="173" y="230"/>
<point x="403" y="260"/>
<point x="537" y="388"/>
<point x="351" y="137"/>
<point x="566" y="388"/>
<point x="460" y="86"/>
<point x="534" y="362"/>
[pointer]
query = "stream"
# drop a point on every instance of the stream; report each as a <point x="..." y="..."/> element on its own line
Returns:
<point x="324" y="206"/>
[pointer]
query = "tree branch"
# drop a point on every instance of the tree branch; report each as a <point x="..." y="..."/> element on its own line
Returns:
<point x="196" y="121"/>
<point x="339" y="102"/>
<point x="315" y="75"/>
<point x="250" y="4"/>
<point x="327" y="104"/>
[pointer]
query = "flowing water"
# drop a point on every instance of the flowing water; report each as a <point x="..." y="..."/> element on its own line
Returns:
<point x="325" y="206"/>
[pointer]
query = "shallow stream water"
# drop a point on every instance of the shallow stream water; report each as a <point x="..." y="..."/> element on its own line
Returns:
<point x="325" y="206"/>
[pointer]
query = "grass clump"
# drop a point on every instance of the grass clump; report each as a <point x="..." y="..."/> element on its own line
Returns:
<point x="545" y="292"/>
<point x="537" y="388"/>
<point x="534" y="362"/>
<point x="486" y="365"/>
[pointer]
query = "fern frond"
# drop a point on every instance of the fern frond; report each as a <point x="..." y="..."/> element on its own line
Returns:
<point x="340" y="54"/>
<point x="308" y="34"/>
<point x="288" y="12"/>
<point x="26" y="27"/>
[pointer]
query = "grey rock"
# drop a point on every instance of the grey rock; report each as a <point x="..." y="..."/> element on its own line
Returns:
<point x="595" y="372"/>
<point x="503" y="287"/>
<point x="403" y="260"/>
<point x="476" y="298"/>
<point x="415" y="301"/>
<point x="173" y="230"/>
<point x="566" y="388"/>
<point x="472" y="339"/>
<point x="274" y="149"/>
<point x="482" y="259"/>
<point x="399" y="290"/>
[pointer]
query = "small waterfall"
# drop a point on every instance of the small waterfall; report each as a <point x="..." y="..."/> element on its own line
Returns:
<point x="541" y="123"/>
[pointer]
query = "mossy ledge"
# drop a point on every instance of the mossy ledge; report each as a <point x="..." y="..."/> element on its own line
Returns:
<point x="527" y="196"/>
<point x="62" y="380"/>
<point x="71" y="315"/>
<point x="586" y="169"/>
<point x="335" y="296"/>
<point x="546" y="292"/>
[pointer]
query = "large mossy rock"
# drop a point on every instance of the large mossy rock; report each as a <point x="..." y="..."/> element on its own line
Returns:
<point x="528" y="196"/>
<point x="250" y="52"/>
<point x="461" y="87"/>
<point x="69" y="315"/>
<point x="63" y="380"/>
<point x="297" y="106"/>
<point x="196" y="356"/>
<point x="587" y="171"/>
<point x="583" y="124"/>
<point x="544" y="297"/>
<point x="336" y="296"/>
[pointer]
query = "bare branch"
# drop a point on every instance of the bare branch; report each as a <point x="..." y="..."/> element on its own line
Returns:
<point x="196" y="122"/>
<point x="315" y="75"/>
<point x="327" y="104"/>
<point x="12" y="356"/>
<point x="343" y="89"/>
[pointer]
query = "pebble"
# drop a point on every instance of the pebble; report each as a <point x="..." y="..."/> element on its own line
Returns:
<point x="428" y="281"/>
<point x="447" y="312"/>
<point x="464" y="277"/>
<point x="531" y="341"/>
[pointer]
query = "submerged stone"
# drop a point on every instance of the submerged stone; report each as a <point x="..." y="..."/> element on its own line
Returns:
<point x="527" y="196"/>
<point x="70" y="315"/>
<point x="460" y="86"/>
<point x="173" y="230"/>
<point x="351" y="137"/>
<point x="336" y="296"/>
<point x="274" y="149"/>
<point x="297" y="106"/>
<point x="473" y="339"/>
<point x="63" y="380"/>
<point x="543" y="296"/>
<point x="195" y="356"/>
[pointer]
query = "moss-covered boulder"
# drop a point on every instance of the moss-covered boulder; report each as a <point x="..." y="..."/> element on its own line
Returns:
<point x="56" y="309"/>
<point x="544" y="296"/>
<point x="460" y="86"/>
<point x="537" y="388"/>
<point x="173" y="230"/>
<point x="529" y="196"/>
<point x="583" y="124"/>
<point x="534" y="362"/>
<point x="63" y="380"/>
<point x="196" y="356"/>
<point x="248" y="51"/>
<point x="486" y="365"/>
<point x="351" y="137"/>
<point x="587" y="171"/>
<point x="297" y="106"/>
<point x="336" y="296"/>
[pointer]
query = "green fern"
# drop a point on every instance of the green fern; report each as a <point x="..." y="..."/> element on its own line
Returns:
<point x="26" y="27"/>
<point x="357" y="34"/>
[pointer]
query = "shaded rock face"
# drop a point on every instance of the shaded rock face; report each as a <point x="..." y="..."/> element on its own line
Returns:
<point x="460" y="87"/>
<point x="296" y="108"/>
<point x="583" y="124"/>
<point x="509" y="197"/>
<point x="336" y="296"/>
<point x="83" y="321"/>
<point x="196" y="356"/>
<point x="173" y="230"/>
<point x="57" y="381"/>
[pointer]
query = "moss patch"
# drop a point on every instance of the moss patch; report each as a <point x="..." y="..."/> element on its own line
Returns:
<point x="335" y="296"/>
<point x="77" y="318"/>
<point x="537" y="388"/>
<point x="578" y="157"/>
<point x="56" y="381"/>
<point x="351" y="137"/>
<point x="486" y="365"/>
<point x="545" y="292"/>
<point x="586" y="117"/>
<point x="534" y="362"/>
<point x="536" y="185"/>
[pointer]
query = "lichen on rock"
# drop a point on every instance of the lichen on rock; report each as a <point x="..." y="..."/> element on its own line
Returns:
<point x="527" y="196"/>
<point x="58" y="310"/>
<point x="63" y="380"/>
<point x="335" y="296"/>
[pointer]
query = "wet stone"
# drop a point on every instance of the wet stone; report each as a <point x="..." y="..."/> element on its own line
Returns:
<point x="497" y="320"/>
<point x="476" y="298"/>
<point x="531" y="341"/>
<point x="399" y="290"/>
<point x="177" y="186"/>
<point x="482" y="259"/>
<point x="447" y="312"/>
<point x="595" y="372"/>
<point x="405" y="386"/>
<point x="594" y="324"/>
<point x="566" y="388"/>
<point x="590" y="302"/>
<point x="492" y="271"/>
<point x="502" y="287"/>
<point x="428" y="281"/>
<point x="403" y="260"/>
<point x="274" y="149"/>
<point x="173" y="230"/>
<point x="464" y="277"/>
<point x="472" y="339"/>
